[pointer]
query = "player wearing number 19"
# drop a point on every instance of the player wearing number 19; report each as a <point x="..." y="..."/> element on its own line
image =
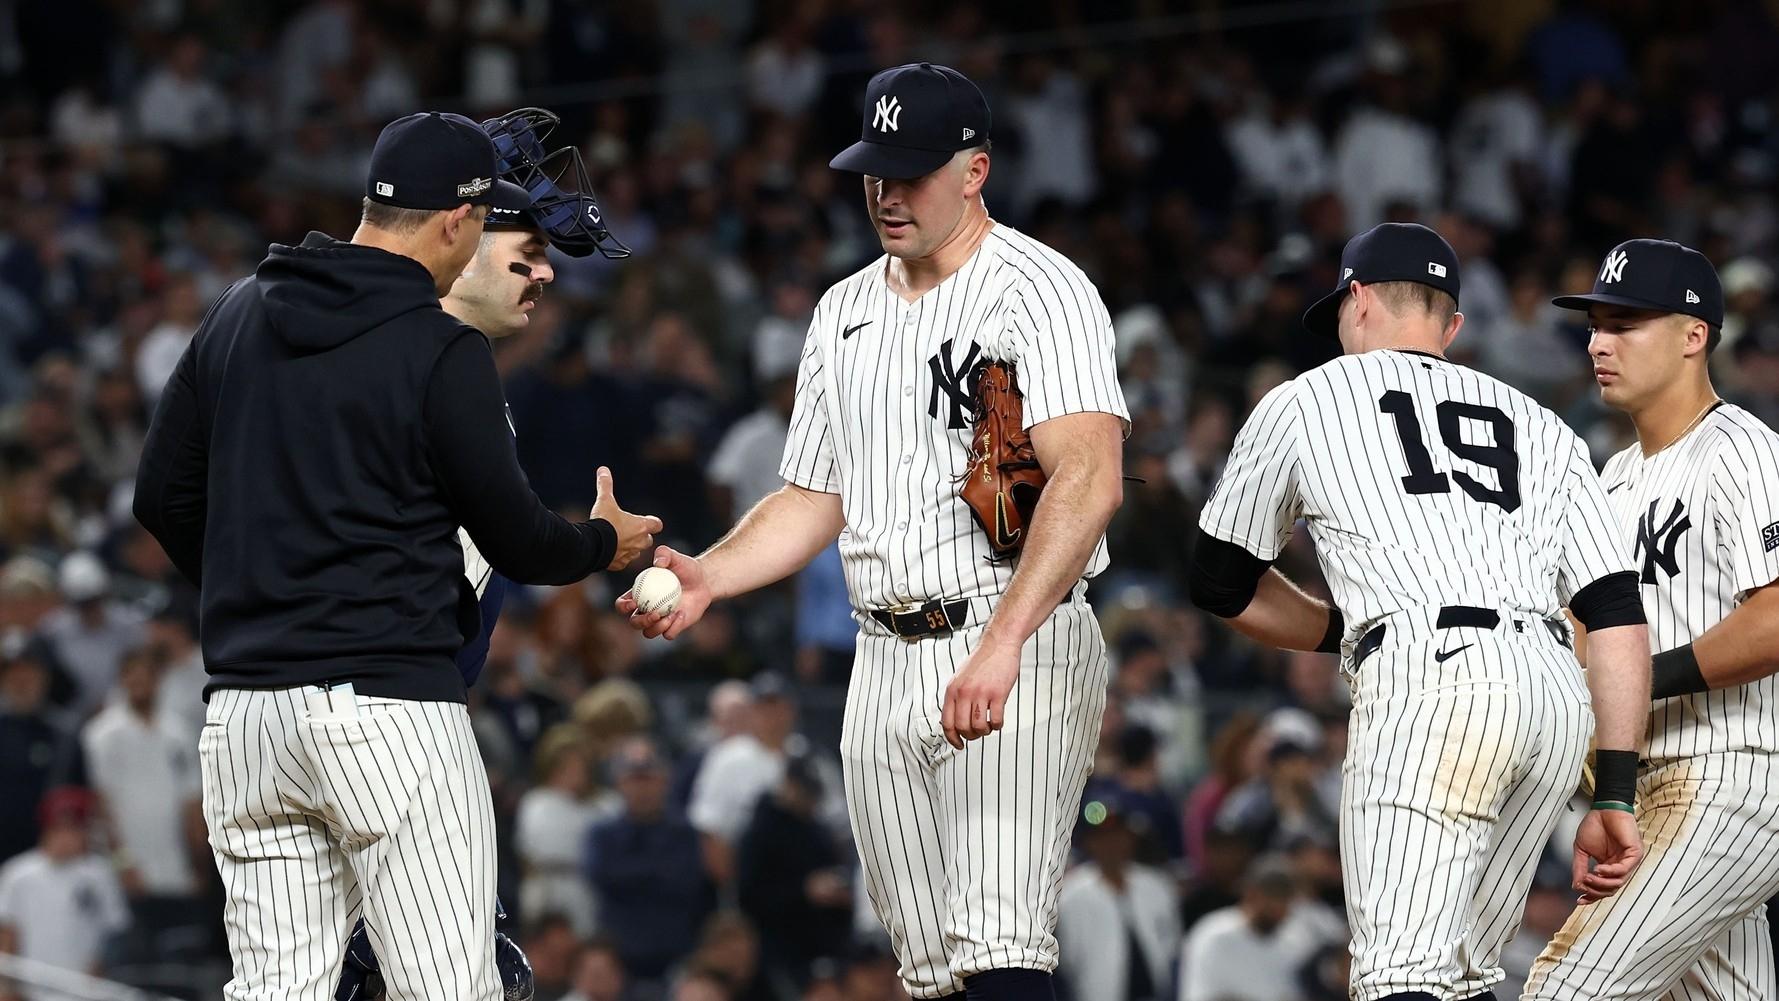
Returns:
<point x="1453" y="518"/>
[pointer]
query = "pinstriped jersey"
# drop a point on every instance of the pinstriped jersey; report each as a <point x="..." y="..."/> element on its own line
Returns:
<point x="1423" y="483"/>
<point x="884" y="397"/>
<point x="1700" y="519"/>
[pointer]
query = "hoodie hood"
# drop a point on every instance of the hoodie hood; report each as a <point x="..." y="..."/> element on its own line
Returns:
<point x="324" y="292"/>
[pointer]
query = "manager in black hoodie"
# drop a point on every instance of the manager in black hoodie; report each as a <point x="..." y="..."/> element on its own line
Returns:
<point x="308" y="465"/>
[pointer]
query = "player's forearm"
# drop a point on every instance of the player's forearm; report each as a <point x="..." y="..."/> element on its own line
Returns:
<point x="774" y="540"/>
<point x="1618" y="678"/>
<point x="1743" y="647"/>
<point x="1282" y="615"/>
<point x="1067" y="525"/>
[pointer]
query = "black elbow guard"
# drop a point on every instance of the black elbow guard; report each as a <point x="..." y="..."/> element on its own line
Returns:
<point x="1613" y="600"/>
<point x="1223" y="577"/>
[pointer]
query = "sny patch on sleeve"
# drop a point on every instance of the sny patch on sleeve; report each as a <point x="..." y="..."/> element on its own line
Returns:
<point x="1769" y="536"/>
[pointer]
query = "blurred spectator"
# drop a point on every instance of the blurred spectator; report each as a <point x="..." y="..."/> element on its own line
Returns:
<point x="1282" y="802"/>
<point x="1117" y="920"/>
<point x="791" y="878"/>
<point x="646" y="868"/>
<point x="726" y="714"/>
<point x="1279" y="149"/>
<point x="1493" y="148"/>
<point x="729" y="953"/>
<point x="1254" y="950"/>
<point x="740" y="769"/>
<point x="144" y="765"/>
<point x="61" y="902"/>
<point x="1150" y="816"/>
<point x="89" y="636"/>
<point x="552" y="949"/>
<point x="598" y="974"/>
<point x="785" y="73"/>
<point x="744" y="468"/>
<point x="827" y="634"/>
<point x="1383" y="154"/>
<point x="1230" y="768"/>
<point x="1217" y="876"/>
<point x="178" y="105"/>
<point x="179" y="695"/>
<point x="37" y="751"/>
<point x="701" y="985"/>
<point x="550" y="831"/>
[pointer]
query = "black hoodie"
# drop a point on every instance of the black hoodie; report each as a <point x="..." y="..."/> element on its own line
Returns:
<point x="309" y="462"/>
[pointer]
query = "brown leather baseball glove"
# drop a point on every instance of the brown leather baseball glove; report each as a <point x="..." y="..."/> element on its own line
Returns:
<point x="1003" y="479"/>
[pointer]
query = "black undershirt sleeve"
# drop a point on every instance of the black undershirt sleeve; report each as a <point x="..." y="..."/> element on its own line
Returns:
<point x="1613" y="600"/>
<point x="1223" y="576"/>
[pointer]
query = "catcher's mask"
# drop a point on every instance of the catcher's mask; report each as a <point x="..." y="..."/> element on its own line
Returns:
<point x="562" y="203"/>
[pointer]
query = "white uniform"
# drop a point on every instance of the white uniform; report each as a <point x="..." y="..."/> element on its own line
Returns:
<point x="1701" y="518"/>
<point x="962" y="850"/>
<point x="1434" y="494"/>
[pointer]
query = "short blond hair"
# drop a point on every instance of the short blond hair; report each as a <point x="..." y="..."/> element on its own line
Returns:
<point x="1406" y="298"/>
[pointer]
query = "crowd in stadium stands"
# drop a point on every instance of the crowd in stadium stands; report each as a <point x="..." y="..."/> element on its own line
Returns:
<point x="671" y="824"/>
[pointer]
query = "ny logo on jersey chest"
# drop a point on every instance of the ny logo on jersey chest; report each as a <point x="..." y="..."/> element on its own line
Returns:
<point x="956" y="382"/>
<point x="1656" y="545"/>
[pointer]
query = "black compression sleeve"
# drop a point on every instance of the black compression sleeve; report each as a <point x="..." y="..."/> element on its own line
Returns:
<point x="1337" y="628"/>
<point x="1615" y="777"/>
<point x="1613" y="600"/>
<point x="472" y="453"/>
<point x="1223" y="576"/>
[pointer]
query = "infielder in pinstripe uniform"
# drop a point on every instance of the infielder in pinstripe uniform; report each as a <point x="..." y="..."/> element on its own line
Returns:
<point x="962" y="843"/>
<point x="1453" y="519"/>
<point x="1697" y="499"/>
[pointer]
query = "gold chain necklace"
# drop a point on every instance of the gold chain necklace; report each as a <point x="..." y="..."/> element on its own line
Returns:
<point x="1715" y="400"/>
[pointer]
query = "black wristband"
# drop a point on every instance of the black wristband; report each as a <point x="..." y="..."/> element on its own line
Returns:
<point x="1337" y="627"/>
<point x="1615" y="777"/>
<point x="1675" y="672"/>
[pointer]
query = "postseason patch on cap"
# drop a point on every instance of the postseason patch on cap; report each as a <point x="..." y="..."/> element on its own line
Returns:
<point x="475" y="187"/>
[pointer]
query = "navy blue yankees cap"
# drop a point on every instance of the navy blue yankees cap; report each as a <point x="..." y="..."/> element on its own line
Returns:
<point x="433" y="160"/>
<point x="916" y="117"/>
<point x="1655" y="274"/>
<point x="1389" y="252"/>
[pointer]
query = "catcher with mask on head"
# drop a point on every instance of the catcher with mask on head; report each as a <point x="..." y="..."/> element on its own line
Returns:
<point x="496" y="294"/>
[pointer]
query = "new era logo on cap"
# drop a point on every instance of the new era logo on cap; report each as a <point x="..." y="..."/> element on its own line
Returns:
<point x="1436" y="268"/>
<point x="1691" y="296"/>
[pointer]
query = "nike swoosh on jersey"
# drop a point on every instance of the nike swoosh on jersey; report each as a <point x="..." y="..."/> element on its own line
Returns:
<point x="849" y="331"/>
<point x="1445" y="655"/>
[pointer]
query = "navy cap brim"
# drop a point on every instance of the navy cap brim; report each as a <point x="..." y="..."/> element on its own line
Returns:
<point x="1323" y="316"/>
<point x="509" y="196"/>
<point x="1582" y="302"/>
<point x="897" y="163"/>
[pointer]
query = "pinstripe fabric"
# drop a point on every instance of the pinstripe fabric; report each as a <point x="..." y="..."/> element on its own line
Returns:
<point x="1691" y="923"/>
<point x="312" y="819"/>
<point x="1322" y="448"/>
<point x="1455" y="775"/>
<point x="874" y="418"/>
<point x="962" y="850"/>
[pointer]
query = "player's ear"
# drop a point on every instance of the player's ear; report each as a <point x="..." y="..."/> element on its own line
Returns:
<point x="975" y="174"/>
<point x="1451" y="331"/>
<point x="1698" y="337"/>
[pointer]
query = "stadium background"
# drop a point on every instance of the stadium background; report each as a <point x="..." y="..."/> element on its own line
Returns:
<point x="1203" y="163"/>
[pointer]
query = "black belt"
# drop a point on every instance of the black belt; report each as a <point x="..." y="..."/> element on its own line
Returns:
<point x="1451" y="617"/>
<point x="934" y="618"/>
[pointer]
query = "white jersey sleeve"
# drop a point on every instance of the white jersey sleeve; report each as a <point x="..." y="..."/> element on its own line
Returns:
<point x="1592" y="543"/>
<point x="1257" y="500"/>
<point x="1745" y="502"/>
<point x="1060" y="335"/>
<point x="809" y="446"/>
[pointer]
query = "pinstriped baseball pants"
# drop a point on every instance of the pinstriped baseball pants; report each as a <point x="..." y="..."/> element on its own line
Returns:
<point x="1691" y="925"/>
<point x="315" y="817"/>
<point x="1456" y="772"/>
<point x="962" y="850"/>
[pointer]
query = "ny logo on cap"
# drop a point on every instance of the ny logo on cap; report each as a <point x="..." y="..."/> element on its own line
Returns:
<point x="1614" y="268"/>
<point x="1691" y="296"/>
<point x="1436" y="268"/>
<point x="889" y="112"/>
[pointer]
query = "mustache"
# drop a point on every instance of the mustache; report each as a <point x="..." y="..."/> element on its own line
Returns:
<point x="533" y="292"/>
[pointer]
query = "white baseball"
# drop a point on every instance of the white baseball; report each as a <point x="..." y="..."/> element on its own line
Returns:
<point x="656" y="590"/>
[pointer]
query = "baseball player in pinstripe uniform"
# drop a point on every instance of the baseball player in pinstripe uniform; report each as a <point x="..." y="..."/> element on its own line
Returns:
<point x="1453" y="518"/>
<point x="978" y="685"/>
<point x="1697" y="500"/>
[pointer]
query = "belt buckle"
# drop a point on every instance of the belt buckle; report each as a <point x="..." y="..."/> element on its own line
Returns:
<point x="896" y="612"/>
